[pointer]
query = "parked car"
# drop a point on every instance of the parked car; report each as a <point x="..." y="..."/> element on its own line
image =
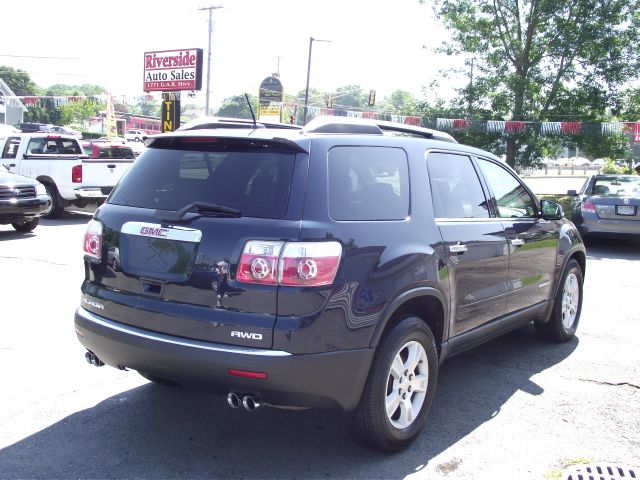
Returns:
<point x="35" y="127"/>
<point x="66" y="131"/>
<point x="135" y="135"/>
<point x="579" y="162"/>
<point x="110" y="150"/>
<point x="59" y="162"/>
<point x="22" y="201"/>
<point x="277" y="266"/>
<point x="608" y="206"/>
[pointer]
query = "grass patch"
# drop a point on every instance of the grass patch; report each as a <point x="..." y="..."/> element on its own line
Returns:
<point x="556" y="474"/>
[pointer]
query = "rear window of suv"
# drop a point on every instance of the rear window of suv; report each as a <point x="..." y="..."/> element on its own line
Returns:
<point x="255" y="179"/>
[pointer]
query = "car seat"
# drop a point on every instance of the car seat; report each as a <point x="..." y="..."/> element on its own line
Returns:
<point x="600" y="190"/>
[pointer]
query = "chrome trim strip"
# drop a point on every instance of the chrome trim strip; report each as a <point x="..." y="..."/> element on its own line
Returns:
<point x="155" y="230"/>
<point x="103" y="322"/>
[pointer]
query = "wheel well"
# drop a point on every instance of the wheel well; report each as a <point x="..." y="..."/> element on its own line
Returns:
<point x="47" y="180"/>
<point x="581" y="259"/>
<point x="426" y="307"/>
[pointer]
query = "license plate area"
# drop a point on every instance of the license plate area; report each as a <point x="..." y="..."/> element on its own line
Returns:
<point x="628" y="210"/>
<point x="152" y="250"/>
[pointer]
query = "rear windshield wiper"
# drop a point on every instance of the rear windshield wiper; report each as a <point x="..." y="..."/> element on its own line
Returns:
<point x="202" y="208"/>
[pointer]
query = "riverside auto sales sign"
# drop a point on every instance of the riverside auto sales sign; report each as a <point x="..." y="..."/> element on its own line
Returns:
<point x="173" y="70"/>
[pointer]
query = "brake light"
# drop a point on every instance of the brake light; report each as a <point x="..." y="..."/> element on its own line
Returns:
<point x="292" y="263"/>
<point x="93" y="240"/>
<point x="588" y="207"/>
<point x="259" y="262"/>
<point x="76" y="174"/>
<point x="310" y="263"/>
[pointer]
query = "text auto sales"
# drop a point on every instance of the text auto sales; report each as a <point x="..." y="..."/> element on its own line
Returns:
<point x="170" y="71"/>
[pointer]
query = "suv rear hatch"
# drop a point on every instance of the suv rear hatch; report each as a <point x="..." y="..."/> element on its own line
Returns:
<point x="170" y="238"/>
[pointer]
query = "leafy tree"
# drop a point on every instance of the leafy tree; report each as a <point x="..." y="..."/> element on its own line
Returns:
<point x="18" y="81"/>
<point x="350" y="96"/>
<point x="527" y="52"/>
<point x="400" y="102"/>
<point x="236" y="107"/>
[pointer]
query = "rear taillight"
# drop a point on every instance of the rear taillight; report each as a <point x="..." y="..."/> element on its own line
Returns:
<point x="292" y="263"/>
<point x="259" y="262"/>
<point x="310" y="263"/>
<point x="588" y="207"/>
<point x="93" y="240"/>
<point x="76" y="174"/>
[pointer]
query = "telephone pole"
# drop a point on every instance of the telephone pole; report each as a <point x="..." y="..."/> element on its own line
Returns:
<point x="211" y="9"/>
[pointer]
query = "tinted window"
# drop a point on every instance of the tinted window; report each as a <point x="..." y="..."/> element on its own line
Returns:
<point x="115" y="152"/>
<point x="512" y="198"/>
<point x="368" y="183"/>
<point x="55" y="146"/>
<point x="455" y="187"/>
<point x="254" y="179"/>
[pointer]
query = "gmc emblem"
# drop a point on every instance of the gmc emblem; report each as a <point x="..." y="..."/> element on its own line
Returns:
<point x="154" y="232"/>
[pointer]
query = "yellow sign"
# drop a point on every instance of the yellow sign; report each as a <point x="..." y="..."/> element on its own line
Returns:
<point x="270" y="110"/>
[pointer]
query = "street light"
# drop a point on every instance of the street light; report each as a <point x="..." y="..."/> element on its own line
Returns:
<point x="211" y="9"/>
<point x="306" y="92"/>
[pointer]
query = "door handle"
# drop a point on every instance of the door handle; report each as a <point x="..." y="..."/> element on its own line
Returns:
<point x="517" y="242"/>
<point x="459" y="248"/>
<point x="111" y="166"/>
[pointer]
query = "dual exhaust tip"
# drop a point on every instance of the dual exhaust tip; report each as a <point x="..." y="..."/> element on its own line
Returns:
<point x="250" y="402"/>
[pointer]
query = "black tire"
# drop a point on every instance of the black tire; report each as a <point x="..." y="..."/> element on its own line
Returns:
<point x="369" y="423"/>
<point x="159" y="380"/>
<point x="27" y="225"/>
<point x="56" y="202"/>
<point x="563" y="323"/>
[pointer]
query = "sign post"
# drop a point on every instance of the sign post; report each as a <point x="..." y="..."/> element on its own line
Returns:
<point x="170" y="111"/>
<point x="170" y="72"/>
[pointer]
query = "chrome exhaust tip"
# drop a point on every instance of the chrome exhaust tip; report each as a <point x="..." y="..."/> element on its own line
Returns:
<point x="233" y="400"/>
<point x="251" y="403"/>
<point x="92" y="359"/>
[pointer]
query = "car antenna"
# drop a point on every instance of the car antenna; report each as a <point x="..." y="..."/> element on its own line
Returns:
<point x="255" y="124"/>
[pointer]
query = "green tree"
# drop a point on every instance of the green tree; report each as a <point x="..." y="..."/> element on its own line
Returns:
<point x="237" y="107"/>
<point x="400" y="102"/>
<point x="18" y="81"/>
<point x="526" y="52"/>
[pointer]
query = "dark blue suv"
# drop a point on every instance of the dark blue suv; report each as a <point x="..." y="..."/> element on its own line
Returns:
<point x="335" y="265"/>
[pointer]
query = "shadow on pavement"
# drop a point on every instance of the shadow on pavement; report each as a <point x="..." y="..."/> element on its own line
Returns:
<point x="164" y="432"/>
<point x="598" y="249"/>
<point x="68" y="218"/>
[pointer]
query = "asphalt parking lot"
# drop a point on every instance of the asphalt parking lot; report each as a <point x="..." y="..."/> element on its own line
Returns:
<point x="516" y="407"/>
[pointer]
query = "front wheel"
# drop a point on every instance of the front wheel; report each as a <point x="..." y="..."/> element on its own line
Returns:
<point x="400" y="388"/>
<point x="27" y="225"/>
<point x="56" y="209"/>
<point x="567" y="307"/>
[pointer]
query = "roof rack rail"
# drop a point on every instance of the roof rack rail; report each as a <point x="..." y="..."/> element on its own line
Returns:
<point x="371" y="127"/>
<point x="415" y="130"/>
<point x="226" y="122"/>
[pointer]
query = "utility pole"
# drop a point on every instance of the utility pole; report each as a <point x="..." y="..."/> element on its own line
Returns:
<point x="211" y="9"/>
<point x="278" y="65"/>
<point x="306" y="91"/>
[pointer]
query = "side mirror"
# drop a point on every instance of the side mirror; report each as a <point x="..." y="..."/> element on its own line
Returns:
<point x="572" y="193"/>
<point x="551" y="210"/>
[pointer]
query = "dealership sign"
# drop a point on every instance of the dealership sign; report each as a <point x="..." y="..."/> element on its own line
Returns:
<point x="173" y="70"/>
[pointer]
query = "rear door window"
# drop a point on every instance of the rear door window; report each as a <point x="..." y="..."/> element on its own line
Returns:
<point x="368" y="183"/>
<point x="253" y="179"/>
<point x="455" y="187"/>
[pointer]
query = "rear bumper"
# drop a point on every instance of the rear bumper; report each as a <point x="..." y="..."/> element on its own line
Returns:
<point x="315" y="380"/>
<point x="609" y="228"/>
<point x="23" y="208"/>
<point x="92" y="193"/>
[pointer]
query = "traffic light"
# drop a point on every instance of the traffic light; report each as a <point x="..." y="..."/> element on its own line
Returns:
<point x="372" y="98"/>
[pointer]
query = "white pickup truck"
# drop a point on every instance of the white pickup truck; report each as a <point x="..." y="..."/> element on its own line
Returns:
<point x="58" y="161"/>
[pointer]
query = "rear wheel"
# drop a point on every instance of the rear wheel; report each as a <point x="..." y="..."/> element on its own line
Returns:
<point x="56" y="208"/>
<point x="567" y="307"/>
<point x="27" y="225"/>
<point x="400" y="388"/>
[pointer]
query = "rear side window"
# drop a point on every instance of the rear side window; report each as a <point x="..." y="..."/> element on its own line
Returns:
<point x="455" y="187"/>
<point x="368" y="183"/>
<point x="10" y="149"/>
<point x="255" y="179"/>
<point x="54" y="146"/>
